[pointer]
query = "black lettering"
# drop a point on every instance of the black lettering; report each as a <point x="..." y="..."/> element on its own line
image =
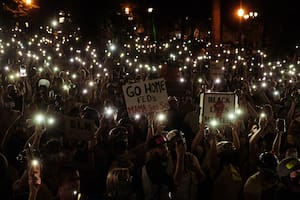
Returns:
<point x="147" y="88"/>
<point x="151" y="98"/>
<point x="141" y="99"/>
<point x="131" y="92"/>
<point x="162" y="86"/>
<point x="158" y="86"/>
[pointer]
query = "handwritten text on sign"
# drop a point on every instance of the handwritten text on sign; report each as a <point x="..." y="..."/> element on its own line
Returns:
<point x="217" y="106"/>
<point x="145" y="97"/>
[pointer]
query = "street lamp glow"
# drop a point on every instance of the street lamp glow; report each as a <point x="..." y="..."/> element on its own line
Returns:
<point x="28" y="2"/>
<point x="150" y="10"/>
<point x="240" y="12"/>
<point x="127" y="10"/>
<point x="246" y="16"/>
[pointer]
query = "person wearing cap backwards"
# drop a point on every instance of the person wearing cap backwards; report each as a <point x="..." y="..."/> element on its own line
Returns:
<point x="156" y="181"/>
<point x="288" y="171"/>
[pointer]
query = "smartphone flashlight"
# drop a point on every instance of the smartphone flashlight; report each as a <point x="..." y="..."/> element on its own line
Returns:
<point x="39" y="118"/>
<point x="23" y="72"/>
<point x="213" y="123"/>
<point x="34" y="163"/>
<point x="161" y="117"/>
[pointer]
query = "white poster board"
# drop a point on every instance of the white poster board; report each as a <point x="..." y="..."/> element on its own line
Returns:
<point x="217" y="106"/>
<point x="145" y="97"/>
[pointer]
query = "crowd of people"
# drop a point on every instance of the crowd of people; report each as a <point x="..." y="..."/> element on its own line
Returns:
<point x="104" y="153"/>
<point x="254" y="157"/>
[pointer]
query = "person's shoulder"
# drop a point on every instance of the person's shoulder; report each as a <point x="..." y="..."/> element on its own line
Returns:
<point x="254" y="178"/>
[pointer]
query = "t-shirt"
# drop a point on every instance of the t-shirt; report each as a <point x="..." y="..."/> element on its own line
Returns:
<point x="258" y="186"/>
<point x="228" y="185"/>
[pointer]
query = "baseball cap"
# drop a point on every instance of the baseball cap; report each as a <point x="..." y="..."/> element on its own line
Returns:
<point x="287" y="165"/>
<point x="156" y="141"/>
<point x="44" y="82"/>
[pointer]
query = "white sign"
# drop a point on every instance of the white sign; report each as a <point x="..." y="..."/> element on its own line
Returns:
<point x="146" y="97"/>
<point x="217" y="106"/>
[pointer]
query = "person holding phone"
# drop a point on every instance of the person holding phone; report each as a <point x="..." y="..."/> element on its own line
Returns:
<point x="262" y="135"/>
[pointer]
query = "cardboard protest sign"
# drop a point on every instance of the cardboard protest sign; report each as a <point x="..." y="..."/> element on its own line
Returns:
<point x="217" y="106"/>
<point x="145" y="97"/>
<point x="79" y="129"/>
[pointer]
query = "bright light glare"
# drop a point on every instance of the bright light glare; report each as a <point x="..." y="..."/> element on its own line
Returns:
<point x="213" y="123"/>
<point x="28" y="2"/>
<point x="150" y="10"/>
<point x="137" y="116"/>
<point x="54" y="23"/>
<point x="34" y="163"/>
<point x="239" y="111"/>
<point x="161" y="117"/>
<point x="112" y="47"/>
<point x="276" y="93"/>
<point x="39" y="118"/>
<point x="231" y="116"/>
<point x="84" y="91"/>
<point x="262" y="115"/>
<point x="240" y="12"/>
<point x="109" y="111"/>
<point x="218" y="80"/>
<point x="51" y="121"/>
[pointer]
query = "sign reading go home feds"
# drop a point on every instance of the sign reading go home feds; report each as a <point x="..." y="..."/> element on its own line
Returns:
<point x="145" y="97"/>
